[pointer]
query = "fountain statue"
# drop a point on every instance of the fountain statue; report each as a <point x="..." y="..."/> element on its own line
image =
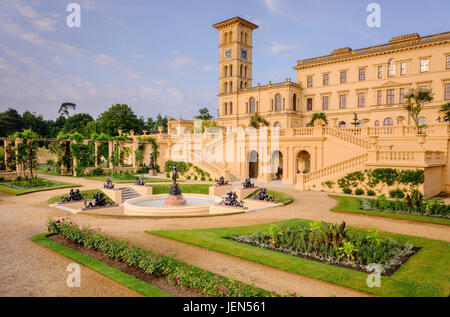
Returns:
<point x="231" y="200"/>
<point x="175" y="197"/>
<point x="99" y="201"/>
<point x="73" y="196"/>
<point x="152" y="169"/>
<point x="139" y="181"/>
<point x="221" y="182"/>
<point x="262" y="195"/>
<point x="109" y="184"/>
<point x="248" y="184"/>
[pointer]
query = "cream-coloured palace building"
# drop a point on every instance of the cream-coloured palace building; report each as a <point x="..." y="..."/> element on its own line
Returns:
<point x="369" y="82"/>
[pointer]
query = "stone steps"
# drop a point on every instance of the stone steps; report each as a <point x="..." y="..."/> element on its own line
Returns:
<point x="129" y="193"/>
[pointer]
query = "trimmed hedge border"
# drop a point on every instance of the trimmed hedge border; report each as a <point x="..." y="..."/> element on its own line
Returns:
<point x="126" y="280"/>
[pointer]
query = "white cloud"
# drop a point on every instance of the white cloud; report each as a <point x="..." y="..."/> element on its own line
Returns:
<point x="37" y="19"/>
<point x="273" y="5"/>
<point x="58" y="60"/>
<point x="136" y="55"/>
<point x="277" y="48"/>
<point x="106" y="61"/>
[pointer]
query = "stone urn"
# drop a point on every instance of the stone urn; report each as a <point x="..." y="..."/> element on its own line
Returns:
<point x="160" y="129"/>
<point x="421" y="140"/>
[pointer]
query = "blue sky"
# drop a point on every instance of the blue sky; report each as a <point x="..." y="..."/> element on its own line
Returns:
<point x="161" y="56"/>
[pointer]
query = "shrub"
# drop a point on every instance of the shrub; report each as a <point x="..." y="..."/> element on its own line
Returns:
<point x="176" y="272"/>
<point x="188" y="177"/>
<point x="329" y="184"/>
<point x="347" y="191"/>
<point x="97" y="172"/>
<point x="203" y="178"/>
<point x="359" y="191"/>
<point x="168" y="175"/>
<point x="370" y="192"/>
<point x="143" y="170"/>
<point x="396" y="193"/>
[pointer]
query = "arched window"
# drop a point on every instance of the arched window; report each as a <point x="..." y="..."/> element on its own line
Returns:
<point x="225" y="88"/>
<point x="252" y="105"/>
<point x="388" y="122"/>
<point x="231" y="86"/>
<point x="230" y="36"/>
<point x="231" y="108"/>
<point x="391" y="67"/>
<point x="377" y="123"/>
<point x="241" y="72"/>
<point x="225" y="38"/>
<point x="277" y="125"/>
<point x="422" y="121"/>
<point x="231" y="70"/>
<point x="242" y="36"/>
<point x="226" y="71"/>
<point x="294" y="102"/>
<point x="277" y="102"/>
<point x="342" y="125"/>
<point x="225" y="108"/>
<point x="241" y="85"/>
<point x="246" y="38"/>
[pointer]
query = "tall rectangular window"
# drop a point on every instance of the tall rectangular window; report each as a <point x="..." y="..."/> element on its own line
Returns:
<point x="401" y="98"/>
<point x="379" y="97"/>
<point x="343" y="78"/>
<point x="325" y="100"/>
<point x="447" y="92"/>
<point x="448" y="62"/>
<point x="380" y="71"/>
<point x="390" y="96"/>
<point x="362" y="74"/>
<point x="342" y="101"/>
<point x="403" y="68"/>
<point x="231" y="108"/>
<point x="424" y="65"/>
<point x="309" y="81"/>
<point x="361" y="99"/>
<point x="309" y="102"/>
<point x="326" y="79"/>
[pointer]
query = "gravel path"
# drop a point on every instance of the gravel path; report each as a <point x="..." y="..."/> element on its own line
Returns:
<point x="28" y="270"/>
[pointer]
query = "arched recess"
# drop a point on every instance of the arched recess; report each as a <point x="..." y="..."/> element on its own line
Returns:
<point x="253" y="162"/>
<point x="342" y="124"/>
<point x="277" y="164"/>
<point x="303" y="162"/>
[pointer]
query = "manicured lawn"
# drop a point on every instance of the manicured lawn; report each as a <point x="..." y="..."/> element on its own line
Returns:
<point x="19" y="191"/>
<point x="424" y="274"/>
<point x="119" y="180"/>
<point x="185" y="188"/>
<point x="352" y="204"/>
<point x="277" y="196"/>
<point x="88" y="194"/>
<point x="114" y="274"/>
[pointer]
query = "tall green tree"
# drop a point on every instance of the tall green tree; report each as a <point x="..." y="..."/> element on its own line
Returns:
<point x="65" y="107"/>
<point x="27" y="151"/>
<point x="78" y="123"/>
<point x="256" y="121"/>
<point x="204" y="114"/>
<point x="10" y="122"/>
<point x="416" y="99"/>
<point x="445" y="110"/>
<point x="119" y="116"/>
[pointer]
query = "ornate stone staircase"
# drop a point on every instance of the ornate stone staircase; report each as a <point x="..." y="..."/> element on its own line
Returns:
<point x="129" y="193"/>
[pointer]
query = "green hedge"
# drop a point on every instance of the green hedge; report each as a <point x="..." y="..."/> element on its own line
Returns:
<point x="176" y="272"/>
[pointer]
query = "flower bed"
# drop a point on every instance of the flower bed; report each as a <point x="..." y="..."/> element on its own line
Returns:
<point x="176" y="272"/>
<point x="433" y="207"/>
<point x="332" y="244"/>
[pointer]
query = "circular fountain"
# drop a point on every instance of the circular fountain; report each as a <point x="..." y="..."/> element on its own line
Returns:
<point x="173" y="204"/>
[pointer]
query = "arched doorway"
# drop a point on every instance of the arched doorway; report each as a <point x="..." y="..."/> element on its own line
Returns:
<point x="253" y="164"/>
<point x="303" y="162"/>
<point x="277" y="164"/>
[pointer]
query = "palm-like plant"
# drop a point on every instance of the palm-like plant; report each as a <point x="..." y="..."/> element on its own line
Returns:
<point x="415" y="101"/>
<point x="318" y="115"/>
<point x="445" y="109"/>
<point x="256" y="121"/>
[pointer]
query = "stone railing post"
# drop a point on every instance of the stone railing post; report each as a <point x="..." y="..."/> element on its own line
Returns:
<point x="365" y="132"/>
<point x="300" y="185"/>
<point x="110" y="154"/>
<point x="398" y="130"/>
<point x="373" y="140"/>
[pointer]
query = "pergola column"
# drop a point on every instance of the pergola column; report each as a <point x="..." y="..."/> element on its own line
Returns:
<point x="134" y="147"/>
<point x="96" y="144"/>
<point x="74" y="161"/>
<point x="121" y="144"/>
<point x="110" y="154"/>
<point x="19" y="166"/>
<point x="6" y="144"/>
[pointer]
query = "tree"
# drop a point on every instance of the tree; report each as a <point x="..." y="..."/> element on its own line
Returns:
<point x="415" y="101"/>
<point x="161" y="122"/>
<point x="10" y="122"/>
<point x="119" y="116"/>
<point x="78" y="123"/>
<point x="318" y="115"/>
<point x="256" y="121"/>
<point x="65" y="107"/>
<point x="204" y="114"/>
<point x="445" y="109"/>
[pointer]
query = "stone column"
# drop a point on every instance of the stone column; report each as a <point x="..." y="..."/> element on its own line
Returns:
<point x="19" y="166"/>
<point x="6" y="143"/>
<point x="110" y="154"/>
<point x="121" y="143"/>
<point x="74" y="162"/>
<point x="96" y="144"/>
<point x="134" y="147"/>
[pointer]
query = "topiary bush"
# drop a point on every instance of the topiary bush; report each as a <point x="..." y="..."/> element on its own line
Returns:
<point x="370" y="193"/>
<point x="396" y="193"/>
<point x="359" y="191"/>
<point x="347" y="191"/>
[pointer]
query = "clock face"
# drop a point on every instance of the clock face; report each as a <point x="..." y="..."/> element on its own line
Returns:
<point x="228" y="53"/>
<point x="243" y="53"/>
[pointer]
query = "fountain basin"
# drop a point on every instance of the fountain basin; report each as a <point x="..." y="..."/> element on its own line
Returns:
<point x="154" y="205"/>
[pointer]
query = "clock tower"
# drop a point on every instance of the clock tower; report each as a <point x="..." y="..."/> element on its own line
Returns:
<point x="235" y="61"/>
